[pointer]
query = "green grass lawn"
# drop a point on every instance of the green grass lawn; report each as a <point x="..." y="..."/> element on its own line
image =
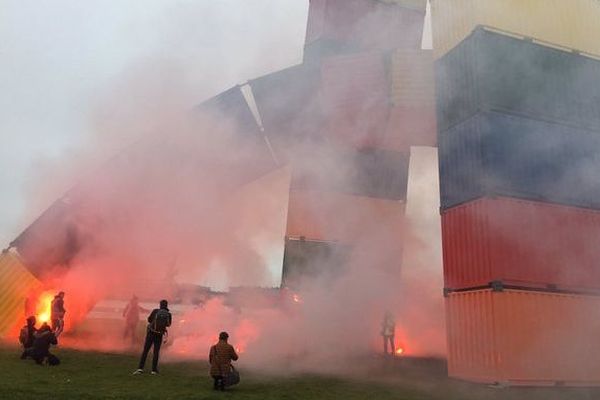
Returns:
<point x="88" y="375"/>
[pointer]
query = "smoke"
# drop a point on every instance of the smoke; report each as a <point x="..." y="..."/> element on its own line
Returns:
<point x="189" y="197"/>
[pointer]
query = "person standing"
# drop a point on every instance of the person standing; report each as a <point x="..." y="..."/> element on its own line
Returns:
<point x="158" y="322"/>
<point x="57" y="313"/>
<point x="131" y="313"/>
<point x="388" y="331"/>
<point x="220" y="357"/>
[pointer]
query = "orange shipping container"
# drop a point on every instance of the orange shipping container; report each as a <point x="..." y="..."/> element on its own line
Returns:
<point x="523" y="337"/>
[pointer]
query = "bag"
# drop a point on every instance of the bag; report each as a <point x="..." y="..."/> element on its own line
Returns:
<point x="53" y="360"/>
<point x="161" y="321"/>
<point x="24" y="335"/>
<point x="232" y="378"/>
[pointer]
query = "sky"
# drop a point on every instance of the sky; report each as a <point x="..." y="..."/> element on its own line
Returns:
<point x="61" y="59"/>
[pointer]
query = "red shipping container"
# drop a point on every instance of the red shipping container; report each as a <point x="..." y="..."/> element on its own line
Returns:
<point x="355" y="99"/>
<point x="521" y="242"/>
<point x="365" y="24"/>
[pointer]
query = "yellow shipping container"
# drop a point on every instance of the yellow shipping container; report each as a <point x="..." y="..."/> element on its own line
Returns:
<point x="519" y="337"/>
<point x="15" y="283"/>
<point x="573" y="24"/>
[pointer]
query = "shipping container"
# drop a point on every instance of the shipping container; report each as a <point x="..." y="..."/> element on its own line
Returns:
<point x="365" y="24"/>
<point x="413" y="79"/>
<point x="15" y="284"/>
<point x="355" y="99"/>
<point x="494" y="71"/>
<point x="336" y="217"/>
<point x="289" y="107"/>
<point x="523" y="337"/>
<point x="370" y="173"/>
<point x="523" y="243"/>
<point x="501" y="154"/>
<point x="51" y="240"/>
<point x="569" y="23"/>
<point x="305" y="260"/>
<point x="420" y="5"/>
<point x="410" y="126"/>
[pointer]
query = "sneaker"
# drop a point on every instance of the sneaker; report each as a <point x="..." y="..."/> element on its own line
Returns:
<point x="154" y="373"/>
<point x="138" y="372"/>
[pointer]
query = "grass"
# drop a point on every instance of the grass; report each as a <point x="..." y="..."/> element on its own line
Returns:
<point x="88" y="375"/>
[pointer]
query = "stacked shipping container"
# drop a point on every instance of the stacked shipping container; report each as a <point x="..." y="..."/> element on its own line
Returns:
<point x="372" y="87"/>
<point x="519" y="138"/>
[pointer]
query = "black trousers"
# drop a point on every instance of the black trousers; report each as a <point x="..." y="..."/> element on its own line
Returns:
<point x="219" y="382"/>
<point x="152" y="340"/>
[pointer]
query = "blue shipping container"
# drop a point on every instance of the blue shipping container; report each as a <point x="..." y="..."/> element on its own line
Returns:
<point x="493" y="71"/>
<point x="494" y="153"/>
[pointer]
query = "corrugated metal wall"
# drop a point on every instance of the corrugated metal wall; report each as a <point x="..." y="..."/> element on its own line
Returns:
<point x="309" y="259"/>
<point x="355" y="99"/>
<point x="363" y="25"/>
<point x="15" y="283"/>
<point x="523" y="337"/>
<point x="521" y="242"/>
<point x="570" y="23"/>
<point x="519" y="118"/>
<point x="534" y="80"/>
<point x="337" y="217"/>
<point x="496" y="153"/>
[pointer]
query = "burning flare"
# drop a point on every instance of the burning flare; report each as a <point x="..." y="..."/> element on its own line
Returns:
<point x="43" y="306"/>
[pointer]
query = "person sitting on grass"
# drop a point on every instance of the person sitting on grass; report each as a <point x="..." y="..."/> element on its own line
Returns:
<point x="158" y="322"/>
<point x="40" y="351"/>
<point x="27" y="336"/>
<point x="220" y="357"/>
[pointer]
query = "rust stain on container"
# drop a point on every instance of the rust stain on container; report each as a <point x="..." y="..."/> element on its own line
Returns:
<point x="523" y="338"/>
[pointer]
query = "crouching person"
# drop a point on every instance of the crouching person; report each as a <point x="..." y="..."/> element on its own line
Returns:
<point x="40" y="351"/>
<point x="158" y="322"/>
<point x="220" y="357"/>
<point x="27" y="336"/>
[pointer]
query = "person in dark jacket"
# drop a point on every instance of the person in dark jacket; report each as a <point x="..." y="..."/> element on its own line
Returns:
<point x="40" y="350"/>
<point x="220" y="357"/>
<point x="57" y="313"/>
<point x="27" y="336"/>
<point x="158" y="322"/>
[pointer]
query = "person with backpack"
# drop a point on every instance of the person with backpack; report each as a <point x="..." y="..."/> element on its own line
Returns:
<point x="40" y="350"/>
<point x="57" y="313"/>
<point x="27" y="336"/>
<point x="220" y="357"/>
<point x="158" y="322"/>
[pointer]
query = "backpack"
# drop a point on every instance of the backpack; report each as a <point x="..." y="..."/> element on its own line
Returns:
<point x="24" y="335"/>
<point x="161" y="321"/>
